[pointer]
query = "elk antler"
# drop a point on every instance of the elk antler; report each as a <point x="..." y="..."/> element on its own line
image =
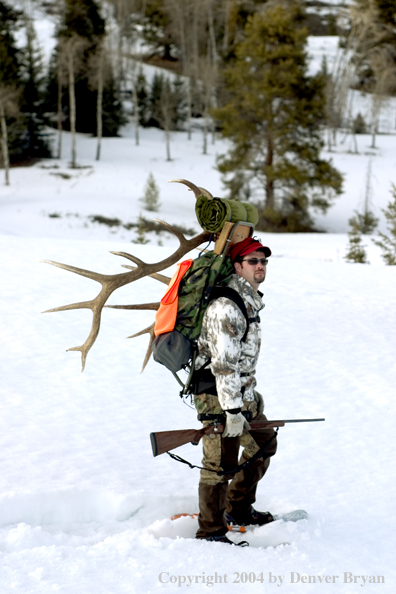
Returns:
<point x="111" y="282"/>
<point x="197" y="190"/>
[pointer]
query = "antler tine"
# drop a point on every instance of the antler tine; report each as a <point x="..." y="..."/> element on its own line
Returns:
<point x="196" y="189"/>
<point x="148" y="330"/>
<point x="152" y="306"/>
<point x="141" y="332"/>
<point x="129" y="257"/>
<point x="111" y="282"/>
<point x="172" y="229"/>
<point x="159" y="277"/>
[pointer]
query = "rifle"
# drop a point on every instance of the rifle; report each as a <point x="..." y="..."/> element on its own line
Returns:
<point x="163" y="441"/>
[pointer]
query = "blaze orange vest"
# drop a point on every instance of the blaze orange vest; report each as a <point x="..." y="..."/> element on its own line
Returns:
<point x="165" y="317"/>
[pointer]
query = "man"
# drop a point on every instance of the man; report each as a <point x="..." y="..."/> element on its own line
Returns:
<point x="232" y="359"/>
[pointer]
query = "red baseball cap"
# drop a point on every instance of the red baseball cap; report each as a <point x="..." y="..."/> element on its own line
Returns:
<point x="245" y="247"/>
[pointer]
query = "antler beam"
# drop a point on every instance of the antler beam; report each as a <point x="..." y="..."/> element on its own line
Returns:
<point x="111" y="282"/>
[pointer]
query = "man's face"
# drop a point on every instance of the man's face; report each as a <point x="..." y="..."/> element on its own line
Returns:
<point x="255" y="275"/>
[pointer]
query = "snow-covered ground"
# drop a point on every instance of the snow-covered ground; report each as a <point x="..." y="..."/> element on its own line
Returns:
<point x="84" y="506"/>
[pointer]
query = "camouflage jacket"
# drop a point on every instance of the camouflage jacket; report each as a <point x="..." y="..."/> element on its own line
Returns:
<point x="220" y="340"/>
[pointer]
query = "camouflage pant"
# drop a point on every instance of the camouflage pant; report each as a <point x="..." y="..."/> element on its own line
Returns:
<point x="222" y="453"/>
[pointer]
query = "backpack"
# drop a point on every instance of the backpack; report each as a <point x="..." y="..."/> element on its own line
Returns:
<point x="179" y="318"/>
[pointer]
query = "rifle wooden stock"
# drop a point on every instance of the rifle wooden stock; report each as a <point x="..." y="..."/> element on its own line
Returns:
<point x="164" y="441"/>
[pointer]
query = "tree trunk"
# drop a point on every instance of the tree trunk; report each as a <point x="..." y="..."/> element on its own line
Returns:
<point x="269" y="184"/>
<point x="72" y="105"/>
<point x="226" y="37"/>
<point x="99" y="107"/>
<point x="185" y="62"/>
<point x="4" y="145"/>
<point x="167" y="140"/>
<point x="135" y="99"/>
<point x="136" y="112"/>
<point x="189" y="110"/>
<point x="375" y="112"/>
<point x="60" y="127"/>
<point x="212" y="34"/>
<point x="205" y="134"/>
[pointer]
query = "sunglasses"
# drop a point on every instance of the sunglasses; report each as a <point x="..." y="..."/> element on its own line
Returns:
<point x="255" y="261"/>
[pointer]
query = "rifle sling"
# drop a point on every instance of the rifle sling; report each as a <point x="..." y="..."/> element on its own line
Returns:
<point x="256" y="456"/>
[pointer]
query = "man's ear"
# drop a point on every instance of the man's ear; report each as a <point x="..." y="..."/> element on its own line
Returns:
<point x="237" y="267"/>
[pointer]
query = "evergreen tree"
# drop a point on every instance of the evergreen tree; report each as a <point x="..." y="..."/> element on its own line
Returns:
<point x="365" y="222"/>
<point x="9" y="54"/>
<point x="158" y="29"/>
<point x="272" y="115"/>
<point x="141" y="232"/>
<point x="143" y="99"/>
<point x="12" y="124"/>
<point x="151" y="194"/>
<point x="82" y="19"/>
<point x="388" y="243"/>
<point x="32" y="100"/>
<point x="166" y="103"/>
<point x="359" y="125"/>
<point x="356" y="251"/>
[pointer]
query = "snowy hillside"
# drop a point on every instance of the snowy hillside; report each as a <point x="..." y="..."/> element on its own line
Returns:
<point x="60" y="201"/>
<point x="84" y="506"/>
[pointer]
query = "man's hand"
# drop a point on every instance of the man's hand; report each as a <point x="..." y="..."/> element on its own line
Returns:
<point x="235" y="423"/>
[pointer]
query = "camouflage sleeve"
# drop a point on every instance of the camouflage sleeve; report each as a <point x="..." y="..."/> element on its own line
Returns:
<point x="222" y="332"/>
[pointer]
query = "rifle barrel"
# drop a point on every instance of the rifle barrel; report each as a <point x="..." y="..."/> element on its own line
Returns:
<point x="163" y="441"/>
<point x="303" y="420"/>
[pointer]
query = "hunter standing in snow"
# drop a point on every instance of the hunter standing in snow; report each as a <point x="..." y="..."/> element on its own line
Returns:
<point x="232" y="358"/>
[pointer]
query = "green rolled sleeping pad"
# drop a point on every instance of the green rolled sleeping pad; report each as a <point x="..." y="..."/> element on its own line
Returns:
<point x="212" y="213"/>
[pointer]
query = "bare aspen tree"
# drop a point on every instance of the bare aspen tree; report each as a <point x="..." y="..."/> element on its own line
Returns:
<point x="135" y="67"/>
<point x="374" y="48"/>
<point x="195" y="36"/>
<point x="128" y="14"/>
<point x="135" y="77"/>
<point x="98" y="74"/>
<point x="70" y="51"/>
<point x="227" y="4"/>
<point x="72" y="100"/>
<point x="183" y="13"/>
<point x="212" y="36"/>
<point x="4" y="140"/>
<point x="167" y="108"/>
<point x="121" y="6"/>
<point x="60" y="82"/>
<point x="125" y="12"/>
<point x="338" y="86"/>
<point x="384" y="66"/>
<point x="99" y="103"/>
<point x="7" y="104"/>
<point x="346" y="64"/>
<point x="208" y="73"/>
